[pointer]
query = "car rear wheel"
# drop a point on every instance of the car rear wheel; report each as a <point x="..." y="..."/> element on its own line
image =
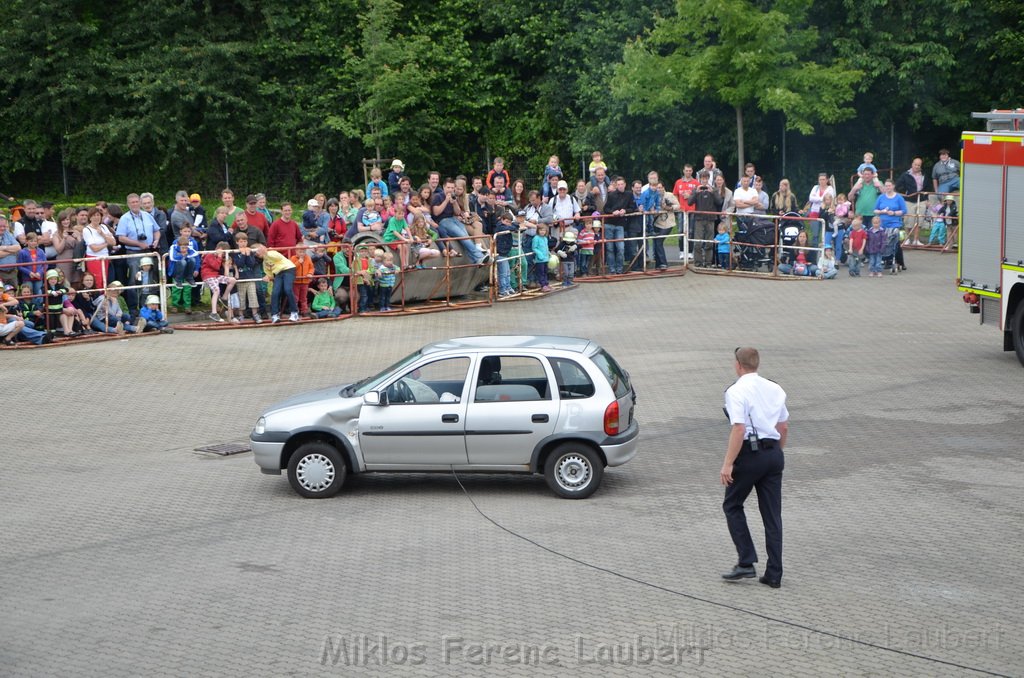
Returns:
<point x="573" y="471"/>
<point x="316" y="470"/>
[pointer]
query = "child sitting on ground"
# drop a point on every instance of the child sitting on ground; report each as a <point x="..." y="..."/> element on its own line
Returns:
<point x="724" y="246"/>
<point x="215" y="269"/>
<point x="827" y="266"/>
<point x="79" y="319"/>
<point x="154" y="317"/>
<point x="324" y="304"/>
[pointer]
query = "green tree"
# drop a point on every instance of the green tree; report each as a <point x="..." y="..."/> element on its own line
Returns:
<point x="735" y="53"/>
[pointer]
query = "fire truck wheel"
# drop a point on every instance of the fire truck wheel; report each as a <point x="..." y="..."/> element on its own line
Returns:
<point x="1017" y="331"/>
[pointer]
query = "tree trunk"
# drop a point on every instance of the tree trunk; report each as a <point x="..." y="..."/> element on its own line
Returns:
<point x="739" y="140"/>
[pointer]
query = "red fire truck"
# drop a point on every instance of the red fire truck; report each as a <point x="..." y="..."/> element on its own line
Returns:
<point x="990" y="262"/>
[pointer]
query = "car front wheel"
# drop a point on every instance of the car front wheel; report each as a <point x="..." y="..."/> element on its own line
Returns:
<point x="573" y="471"/>
<point x="316" y="470"/>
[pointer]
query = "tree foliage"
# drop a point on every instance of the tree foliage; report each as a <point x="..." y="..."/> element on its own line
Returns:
<point x="287" y="97"/>
<point x="735" y="52"/>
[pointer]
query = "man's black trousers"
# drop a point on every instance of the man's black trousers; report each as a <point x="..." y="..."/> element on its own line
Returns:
<point x="760" y="471"/>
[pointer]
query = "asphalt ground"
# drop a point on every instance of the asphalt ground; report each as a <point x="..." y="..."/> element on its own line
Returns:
<point x="126" y="553"/>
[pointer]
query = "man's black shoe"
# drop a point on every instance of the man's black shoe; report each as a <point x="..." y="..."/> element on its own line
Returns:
<point x="740" y="572"/>
<point x="774" y="583"/>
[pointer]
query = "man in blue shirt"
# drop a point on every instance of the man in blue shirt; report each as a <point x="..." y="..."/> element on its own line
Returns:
<point x="138" y="232"/>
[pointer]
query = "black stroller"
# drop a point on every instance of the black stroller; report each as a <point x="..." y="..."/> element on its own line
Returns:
<point x="755" y="240"/>
<point x="790" y="227"/>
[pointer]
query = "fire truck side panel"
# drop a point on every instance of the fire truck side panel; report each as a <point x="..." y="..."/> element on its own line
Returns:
<point x="981" y="234"/>
<point x="1013" y="234"/>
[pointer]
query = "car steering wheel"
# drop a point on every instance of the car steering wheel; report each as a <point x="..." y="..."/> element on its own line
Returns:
<point x="403" y="394"/>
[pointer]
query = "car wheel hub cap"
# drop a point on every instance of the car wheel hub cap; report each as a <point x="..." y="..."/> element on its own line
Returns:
<point x="315" y="472"/>
<point x="573" y="472"/>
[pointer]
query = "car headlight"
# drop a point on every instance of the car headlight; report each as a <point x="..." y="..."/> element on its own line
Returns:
<point x="261" y="426"/>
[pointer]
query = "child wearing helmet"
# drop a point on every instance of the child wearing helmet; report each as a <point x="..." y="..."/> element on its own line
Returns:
<point x="155" y="319"/>
<point x="566" y="251"/>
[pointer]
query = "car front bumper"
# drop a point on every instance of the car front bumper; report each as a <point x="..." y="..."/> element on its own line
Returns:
<point x="623" y="447"/>
<point x="267" y="454"/>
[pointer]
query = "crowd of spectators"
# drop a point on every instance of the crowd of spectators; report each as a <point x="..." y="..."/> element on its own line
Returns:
<point x="63" y="274"/>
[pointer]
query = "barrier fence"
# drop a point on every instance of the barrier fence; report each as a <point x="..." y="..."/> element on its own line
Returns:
<point x="625" y="245"/>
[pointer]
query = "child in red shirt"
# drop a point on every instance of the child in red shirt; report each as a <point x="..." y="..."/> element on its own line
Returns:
<point x="858" y="238"/>
<point x="215" y="268"/>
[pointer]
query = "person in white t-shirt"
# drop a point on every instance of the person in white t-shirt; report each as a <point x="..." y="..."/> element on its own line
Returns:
<point x="745" y="197"/>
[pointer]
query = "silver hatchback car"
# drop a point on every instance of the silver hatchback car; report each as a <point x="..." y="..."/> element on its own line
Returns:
<point x="560" y="406"/>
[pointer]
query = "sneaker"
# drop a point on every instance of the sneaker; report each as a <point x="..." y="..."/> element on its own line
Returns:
<point x="140" y="326"/>
<point x="546" y="288"/>
<point x="166" y="330"/>
<point x="294" y="317"/>
<point x="256" y="317"/>
<point x="188" y="311"/>
<point x="275" y="319"/>
<point x="682" y="256"/>
<point x="119" y="328"/>
<point x="918" y="243"/>
<point x="177" y="284"/>
<point x="236" y="321"/>
<point x="216" y="317"/>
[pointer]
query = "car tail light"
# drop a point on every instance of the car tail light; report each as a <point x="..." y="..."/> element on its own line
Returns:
<point x="611" y="419"/>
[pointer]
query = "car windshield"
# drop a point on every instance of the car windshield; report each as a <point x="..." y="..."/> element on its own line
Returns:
<point x="616" y="376"/>
<point x="364" y="386"/>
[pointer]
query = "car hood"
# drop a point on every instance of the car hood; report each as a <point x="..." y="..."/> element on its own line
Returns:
<point x="320" y="395"/>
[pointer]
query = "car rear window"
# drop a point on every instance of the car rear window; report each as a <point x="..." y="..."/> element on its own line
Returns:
<point x="616" y="376"/>
<point x="572" y="379"/>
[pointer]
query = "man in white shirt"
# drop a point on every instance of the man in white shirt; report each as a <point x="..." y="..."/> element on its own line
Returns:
<point x="756" y="408"/>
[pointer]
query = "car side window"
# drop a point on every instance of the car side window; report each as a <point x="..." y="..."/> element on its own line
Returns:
<point x="441" y="381"/>
<point x="511" y="378"/>
<point x="573" y="381"/>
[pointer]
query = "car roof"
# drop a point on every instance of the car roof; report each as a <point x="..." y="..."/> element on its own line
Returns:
<point x="491" y="342"/>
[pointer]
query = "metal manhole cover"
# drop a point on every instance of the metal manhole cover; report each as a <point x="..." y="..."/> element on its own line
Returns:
<point x="224" y="449"/>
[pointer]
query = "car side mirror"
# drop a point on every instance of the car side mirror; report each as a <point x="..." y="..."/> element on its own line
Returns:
<point x="375" y="398"/>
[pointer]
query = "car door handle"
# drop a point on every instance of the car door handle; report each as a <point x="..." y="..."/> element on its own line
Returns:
<point x="450" y="418"/>
<point x="539" y="419"/>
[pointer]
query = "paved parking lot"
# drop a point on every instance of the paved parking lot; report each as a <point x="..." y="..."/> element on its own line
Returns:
<point x="127" y="553"/>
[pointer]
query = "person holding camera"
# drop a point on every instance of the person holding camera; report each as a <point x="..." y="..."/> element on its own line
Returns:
<point x="756" y="408"/>
<point x="706" y="204"/>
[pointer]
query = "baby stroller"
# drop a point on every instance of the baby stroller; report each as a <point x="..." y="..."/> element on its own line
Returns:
<point x="755" y="238"/>
<point x="789" y="231"/>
